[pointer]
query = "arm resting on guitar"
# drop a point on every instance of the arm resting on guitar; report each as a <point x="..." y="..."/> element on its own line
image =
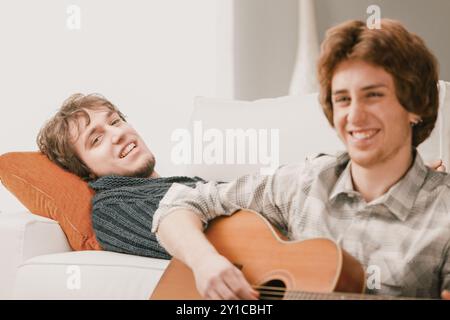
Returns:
<point x="267" y="195"/>
<point x="178" y="223"/>
<point x="181" y="233"/>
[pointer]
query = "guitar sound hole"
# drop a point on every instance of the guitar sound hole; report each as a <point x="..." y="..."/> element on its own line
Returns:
<point x="272" y="290"/>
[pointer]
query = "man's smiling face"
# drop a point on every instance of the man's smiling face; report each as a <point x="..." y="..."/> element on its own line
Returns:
<point x="110" y="146"/>
<point x="367" y="115"/>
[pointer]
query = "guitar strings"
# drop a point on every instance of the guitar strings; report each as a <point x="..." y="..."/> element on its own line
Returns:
<point x="270" y="291"/>
<point x="268" y="287"/>
<point x="273" y="295"/>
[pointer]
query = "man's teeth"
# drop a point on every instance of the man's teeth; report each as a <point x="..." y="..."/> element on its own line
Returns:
<point x="127" y="150"/>
<point x="366" y="134"/>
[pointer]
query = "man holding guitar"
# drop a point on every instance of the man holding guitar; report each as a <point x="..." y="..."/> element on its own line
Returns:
<point x="377" y="200"/>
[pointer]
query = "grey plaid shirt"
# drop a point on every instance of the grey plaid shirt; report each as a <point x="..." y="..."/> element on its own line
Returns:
<point x="402" y="238"/>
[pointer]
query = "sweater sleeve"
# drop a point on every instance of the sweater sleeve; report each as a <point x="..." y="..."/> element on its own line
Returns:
<point x="125" y="227"/>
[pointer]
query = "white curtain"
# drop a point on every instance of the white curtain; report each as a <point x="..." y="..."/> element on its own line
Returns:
<point x="304" y="79"/>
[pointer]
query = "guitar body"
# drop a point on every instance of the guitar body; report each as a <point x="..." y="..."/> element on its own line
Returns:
<point x="268" y="261"/>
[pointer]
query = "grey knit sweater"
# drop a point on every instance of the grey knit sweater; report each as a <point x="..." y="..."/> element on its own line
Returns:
<point x="122" y="212"/>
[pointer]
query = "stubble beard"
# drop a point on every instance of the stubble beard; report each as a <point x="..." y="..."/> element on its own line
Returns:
<point x="145" y="170"/>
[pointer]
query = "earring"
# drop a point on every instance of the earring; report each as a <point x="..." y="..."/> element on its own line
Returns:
<point x="417" y="121"/>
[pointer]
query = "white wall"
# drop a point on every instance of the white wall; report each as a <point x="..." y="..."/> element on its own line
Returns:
<point x="428" y="18"/>
<point x="266" y="35"/>
<point x="265" y="47"/>
<point x="149" y="57"/>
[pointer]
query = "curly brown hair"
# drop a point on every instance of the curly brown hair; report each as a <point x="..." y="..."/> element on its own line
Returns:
<point x="55" y="140"/>
<point x="399" y="52"/>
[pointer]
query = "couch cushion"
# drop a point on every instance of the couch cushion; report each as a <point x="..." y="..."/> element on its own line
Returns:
<point x="22" y="236"/>
<point x="88" y="275"/>
<point x="47" y="190"/>
<point x="437" y="146"/>
<point x="296" y="123"/>
<point x="303" y="131"/>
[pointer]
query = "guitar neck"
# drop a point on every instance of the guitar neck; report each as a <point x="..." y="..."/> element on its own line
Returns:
<point x="271" y="294"/>
<point x="340" y="296"/>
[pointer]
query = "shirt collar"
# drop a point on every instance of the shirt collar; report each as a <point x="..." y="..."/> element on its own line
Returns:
<point x="399" y="199"/>
<point x="344" y="184"/>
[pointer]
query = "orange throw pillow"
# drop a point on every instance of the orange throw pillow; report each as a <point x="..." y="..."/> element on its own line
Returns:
<point x="49" y="191"/>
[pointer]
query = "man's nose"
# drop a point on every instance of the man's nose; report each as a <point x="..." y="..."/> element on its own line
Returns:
<point x="356" y="112"/>
<point x="117" y="134"/>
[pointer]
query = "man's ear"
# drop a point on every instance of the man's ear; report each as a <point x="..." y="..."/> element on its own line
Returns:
<point x="414" y="118"/>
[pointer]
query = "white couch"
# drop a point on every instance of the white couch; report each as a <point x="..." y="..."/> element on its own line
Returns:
<point x="37" y="262"/>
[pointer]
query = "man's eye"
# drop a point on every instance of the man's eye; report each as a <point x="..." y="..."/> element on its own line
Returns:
<point x="115" y="121"/>
<point x="374" y="94"/>
<point x="342" y="99"/>
<point x="96" y="140"/>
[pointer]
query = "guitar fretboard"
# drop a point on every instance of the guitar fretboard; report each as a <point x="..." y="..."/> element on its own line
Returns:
<point x="277" y="293"/>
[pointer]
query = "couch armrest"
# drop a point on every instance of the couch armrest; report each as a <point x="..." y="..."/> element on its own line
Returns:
<point x="24" y="235"/>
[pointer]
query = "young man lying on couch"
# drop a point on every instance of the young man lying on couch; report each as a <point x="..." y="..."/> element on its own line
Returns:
<point x="377" y="200"/>
<point x="90" y="137"/>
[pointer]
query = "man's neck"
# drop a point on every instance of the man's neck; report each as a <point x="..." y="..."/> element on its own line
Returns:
<point x="374" y="181"/>
<point x="154" y="175"/>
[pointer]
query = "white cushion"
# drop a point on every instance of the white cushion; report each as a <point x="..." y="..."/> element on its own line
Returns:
<point x="437" y="146"/>
<point x="88" y="275"/>
<point x="22" y="236"/>
<point x="303" y="130"/>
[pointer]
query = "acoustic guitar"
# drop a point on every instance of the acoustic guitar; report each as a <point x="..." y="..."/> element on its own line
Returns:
<point x="278" y="269"/>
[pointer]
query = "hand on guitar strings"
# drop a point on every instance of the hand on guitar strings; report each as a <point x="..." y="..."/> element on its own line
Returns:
<point x="217" y="278"/>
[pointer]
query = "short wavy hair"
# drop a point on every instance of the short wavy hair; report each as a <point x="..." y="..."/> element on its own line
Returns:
<point x="399" y="52"/>
<point x="55" y="140"/>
